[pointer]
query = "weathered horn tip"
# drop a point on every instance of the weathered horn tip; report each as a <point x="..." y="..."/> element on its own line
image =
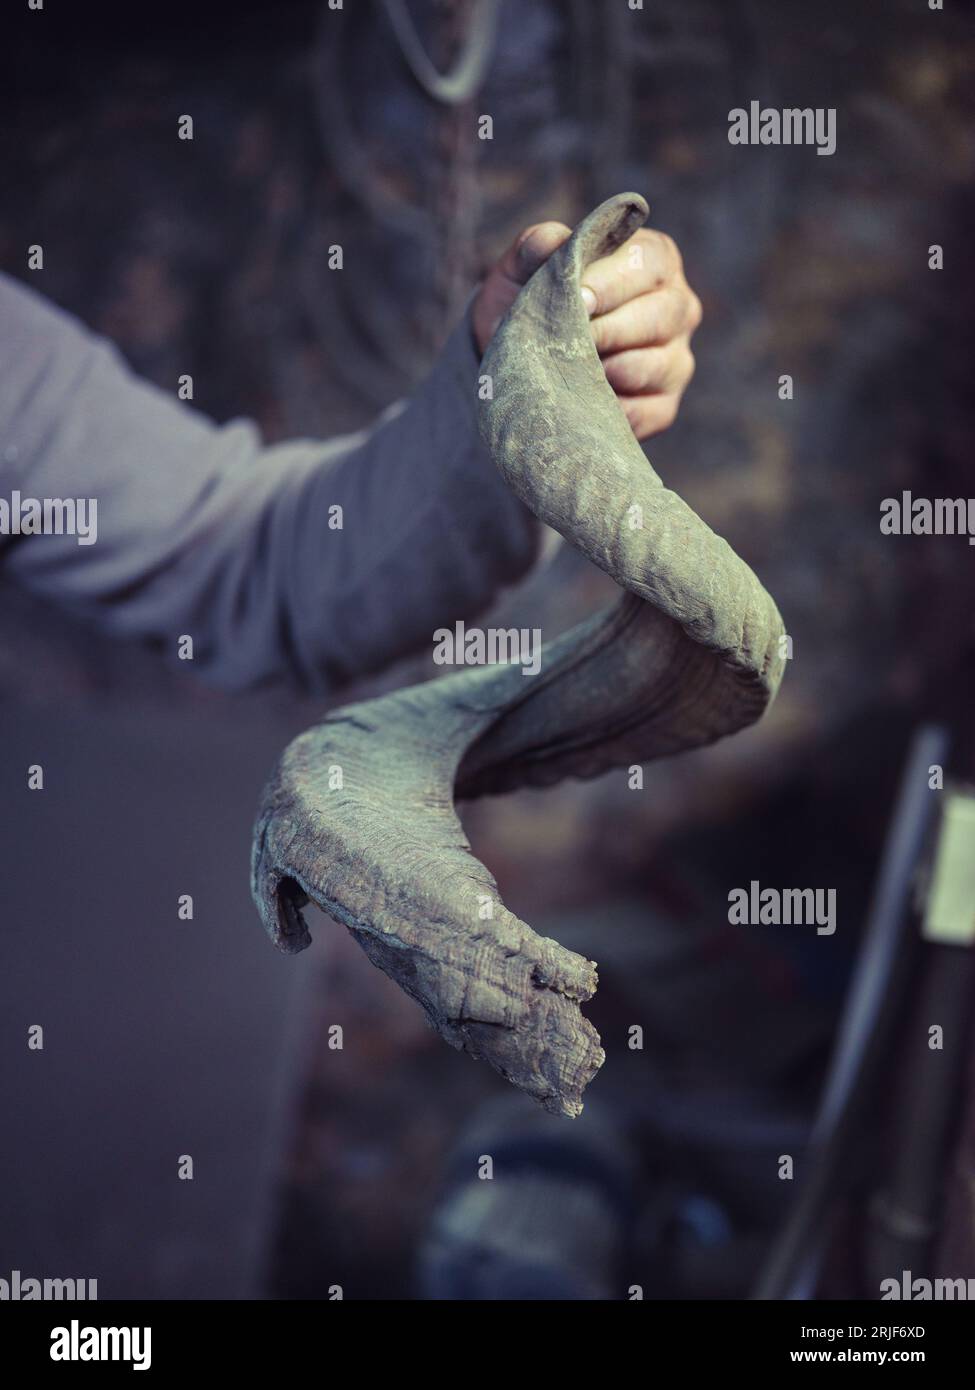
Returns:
<point x="634" y="200"/>
<point x="609" y="225"/>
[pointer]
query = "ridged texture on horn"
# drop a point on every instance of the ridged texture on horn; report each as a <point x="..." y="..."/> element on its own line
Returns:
<point x="359" y="815"/>
<point x="556" y="431"/>
<point x="385" y="854"/>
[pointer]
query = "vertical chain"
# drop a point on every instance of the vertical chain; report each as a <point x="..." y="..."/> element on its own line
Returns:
<point x="456" y="189"/>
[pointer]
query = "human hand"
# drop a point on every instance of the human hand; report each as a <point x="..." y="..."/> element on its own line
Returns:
<point x="643" y="315"/>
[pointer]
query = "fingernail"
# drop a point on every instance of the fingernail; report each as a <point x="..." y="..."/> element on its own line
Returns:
<point x="528" y="251"/>
<point x="589" y="299"/>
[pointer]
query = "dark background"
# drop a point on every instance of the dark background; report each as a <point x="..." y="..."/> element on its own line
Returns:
<point x="210" y="257"/>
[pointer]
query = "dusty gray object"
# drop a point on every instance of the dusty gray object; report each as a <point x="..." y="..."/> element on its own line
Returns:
<point x="690" y="653"/>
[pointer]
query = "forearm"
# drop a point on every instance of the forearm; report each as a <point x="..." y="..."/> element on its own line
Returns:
<point x="203" y="531"/>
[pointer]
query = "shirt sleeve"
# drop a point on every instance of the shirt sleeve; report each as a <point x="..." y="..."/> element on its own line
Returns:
<point x="204" y="531"/>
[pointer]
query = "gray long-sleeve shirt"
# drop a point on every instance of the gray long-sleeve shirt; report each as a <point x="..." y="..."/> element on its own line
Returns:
<point x="203" y="530"/>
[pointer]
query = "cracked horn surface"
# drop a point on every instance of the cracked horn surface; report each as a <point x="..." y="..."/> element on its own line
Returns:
<point x="690" y="653"/>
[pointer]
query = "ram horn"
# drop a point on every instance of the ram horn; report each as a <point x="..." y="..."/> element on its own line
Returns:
<point x="359" y="816"/>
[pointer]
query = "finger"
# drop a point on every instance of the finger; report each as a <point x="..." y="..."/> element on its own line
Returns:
<point x="523" y="257"/>
<point x="652" y="370"/>
<point x="651" y="319"/>
<point x="649" y="415"/>
<point x="648" y="261"/>
<point x="530" y="249"/>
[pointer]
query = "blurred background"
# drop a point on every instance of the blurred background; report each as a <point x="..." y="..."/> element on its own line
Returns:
<point x="356" y="1168"/>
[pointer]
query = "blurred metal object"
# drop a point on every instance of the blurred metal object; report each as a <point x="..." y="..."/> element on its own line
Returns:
<point x="531" y="1211"/>
<point x="793" y="1265"/>
<point x="927" y="1107"/>
<point x="457" y="86"/>
<point x="949" y="915"/>
<point x="906" y="1215"/>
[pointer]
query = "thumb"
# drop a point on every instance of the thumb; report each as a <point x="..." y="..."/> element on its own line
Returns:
<point x="530" y="249"/>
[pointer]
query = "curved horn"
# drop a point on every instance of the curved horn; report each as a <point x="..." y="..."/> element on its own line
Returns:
<point x="700" y="657"/>
<point x="688" y="654"/>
